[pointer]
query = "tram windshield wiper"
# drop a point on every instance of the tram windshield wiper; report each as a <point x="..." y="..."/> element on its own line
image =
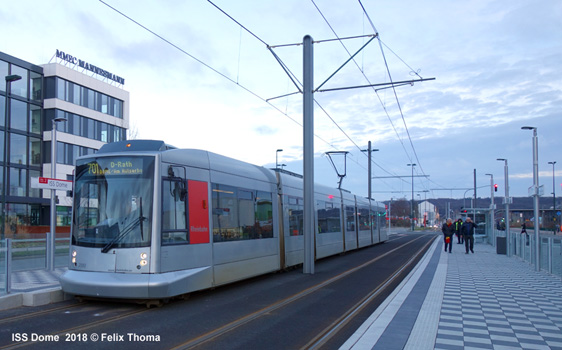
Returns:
<point x="128" y="229"/>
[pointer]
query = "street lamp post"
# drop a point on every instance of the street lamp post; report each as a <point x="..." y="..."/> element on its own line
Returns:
<point x="412" y="204"/>
<point x="535" y="193"/>
<point x="492" y="208"/>
<point x="506" y="202"/>
<point x="51" y="245"/>
<point x="553" y="197"/>
<point x="276" y="158"/>
<point x="9" y="79"/>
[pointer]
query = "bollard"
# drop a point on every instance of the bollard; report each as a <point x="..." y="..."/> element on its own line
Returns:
<point x="49" y="252"/>
<point x="550" y="243"/>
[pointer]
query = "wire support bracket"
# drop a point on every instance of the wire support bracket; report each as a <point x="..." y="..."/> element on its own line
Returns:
<point x="395" y="83"/>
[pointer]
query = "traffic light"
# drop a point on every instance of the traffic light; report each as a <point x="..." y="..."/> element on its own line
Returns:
<point x="496" y="188"/>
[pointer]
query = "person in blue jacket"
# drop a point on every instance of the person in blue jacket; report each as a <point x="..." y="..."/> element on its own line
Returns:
<point x="468" y="233"/>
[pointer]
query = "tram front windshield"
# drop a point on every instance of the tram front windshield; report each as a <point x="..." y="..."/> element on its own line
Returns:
<point x="113" y="202"/>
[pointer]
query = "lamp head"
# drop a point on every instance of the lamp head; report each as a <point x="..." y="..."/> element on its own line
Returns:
<point x="14" y="77"/>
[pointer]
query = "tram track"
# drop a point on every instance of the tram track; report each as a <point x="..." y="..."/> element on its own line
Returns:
<point x="214" y="318"/>
<point x="323" y="337"/>
<point x="34" y="314"/>
<point x="328" y="332"/>
<point x="80" y="329"/>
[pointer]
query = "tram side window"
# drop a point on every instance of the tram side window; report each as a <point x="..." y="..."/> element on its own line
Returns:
<point x="363" y="219"/>
<point x="225" y="213"/>
<point x="374" y="219"/>
<point x="241" y="214"/>
<point x="246" y="213"/>
<point x="296" y="207"/>
<point x="350" y="218"/>
<point x="174" y="213"/>
<point x="328" y="217"/>
<point x="264" y="215"/>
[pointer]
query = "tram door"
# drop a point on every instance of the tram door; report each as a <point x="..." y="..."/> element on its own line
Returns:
<point x="184" y="221"/>
<point x="174" y="233"/>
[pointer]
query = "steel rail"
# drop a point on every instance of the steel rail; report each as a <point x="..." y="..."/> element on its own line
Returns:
<point x="218" y="332"/>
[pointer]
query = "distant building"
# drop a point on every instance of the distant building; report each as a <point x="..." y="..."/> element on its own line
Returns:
<point x="96" y="109"/>
<point x="428" y="214"/>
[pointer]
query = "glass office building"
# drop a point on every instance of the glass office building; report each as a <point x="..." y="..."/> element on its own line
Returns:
<point x="96" y="110"/>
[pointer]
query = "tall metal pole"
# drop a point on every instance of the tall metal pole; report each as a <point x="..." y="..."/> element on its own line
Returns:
<point x="389" y="215"/>
<point x="9" y="79"/>
<point x="369" y="151"/>
<point x="536" y="199"/>
<point x="53" y="225"/>
<point x="369" y="167"/>
<point x="492" y="208"/>
<point x="308" y="154"/>
<point x="53" y="221"/>
<point x="535" y="193"/>
<point x="553" y="198"/>
<point x="412" y="204"/>
<point x="506" y="202"/>
<point x="474" y="204"/>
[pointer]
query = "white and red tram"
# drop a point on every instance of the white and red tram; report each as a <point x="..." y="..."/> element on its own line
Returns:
<point x="152" y="222"/>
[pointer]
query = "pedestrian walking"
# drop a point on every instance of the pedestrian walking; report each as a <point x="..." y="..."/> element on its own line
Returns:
<point x="524" y="231"/>
<point x="458" y="231"/>
<point x="468" y="233"/>
<point x="448" y="231"/>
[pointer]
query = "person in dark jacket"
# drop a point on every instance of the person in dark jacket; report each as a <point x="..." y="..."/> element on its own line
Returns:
<point x="468" y="233"/>
<point x="458" y="232"/>
<point x="448" y="231"/>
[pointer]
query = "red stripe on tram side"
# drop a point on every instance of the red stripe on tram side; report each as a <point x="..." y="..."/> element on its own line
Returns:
<point x="198" y="202"/>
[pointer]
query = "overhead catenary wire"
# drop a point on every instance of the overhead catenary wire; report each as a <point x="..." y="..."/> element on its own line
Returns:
<point x="293" y="78"/>
<point x="392" y="86"/>
<point x="295" y="81"/>
<point x="210" y="67"/>
<point x="376" y="90"/>
<point x="394" y="90"/>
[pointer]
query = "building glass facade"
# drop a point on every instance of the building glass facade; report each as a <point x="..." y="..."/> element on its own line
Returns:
<point x="96" y="113"/>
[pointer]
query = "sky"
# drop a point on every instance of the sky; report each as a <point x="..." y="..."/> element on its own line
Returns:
<point x="197" y="79"/>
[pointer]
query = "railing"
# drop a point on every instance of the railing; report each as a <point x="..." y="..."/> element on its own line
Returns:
<point x="28" y="254"/>
<point x="550" y="251"/>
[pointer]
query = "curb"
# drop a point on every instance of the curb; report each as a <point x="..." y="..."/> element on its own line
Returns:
<point x="37" y="298"/>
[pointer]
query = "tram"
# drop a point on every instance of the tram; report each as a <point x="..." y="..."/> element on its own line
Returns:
<point x="150" y="221"/>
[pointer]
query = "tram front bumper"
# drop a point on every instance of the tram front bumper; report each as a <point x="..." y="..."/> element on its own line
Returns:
<point x="135" y="286"/>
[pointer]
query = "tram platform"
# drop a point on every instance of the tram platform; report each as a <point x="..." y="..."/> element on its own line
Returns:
<point x="479" y="300"/>
<point x="34" y="288"/>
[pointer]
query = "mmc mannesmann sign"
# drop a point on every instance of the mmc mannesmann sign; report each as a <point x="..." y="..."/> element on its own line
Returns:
<point x="90" y="67"/>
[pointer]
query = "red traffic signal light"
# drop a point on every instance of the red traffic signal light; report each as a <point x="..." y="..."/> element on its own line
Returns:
<point x="496" y="188"/>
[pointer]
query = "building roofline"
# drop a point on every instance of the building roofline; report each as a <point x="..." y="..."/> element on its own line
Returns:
<point x="21" y="63"/>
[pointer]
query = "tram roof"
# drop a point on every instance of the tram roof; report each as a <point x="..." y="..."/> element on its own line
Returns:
<point x="135" y="146"/>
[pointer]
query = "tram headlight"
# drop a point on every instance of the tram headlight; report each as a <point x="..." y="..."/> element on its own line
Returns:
<point x="143" y="261"/>
<point x="74" y="257"/>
